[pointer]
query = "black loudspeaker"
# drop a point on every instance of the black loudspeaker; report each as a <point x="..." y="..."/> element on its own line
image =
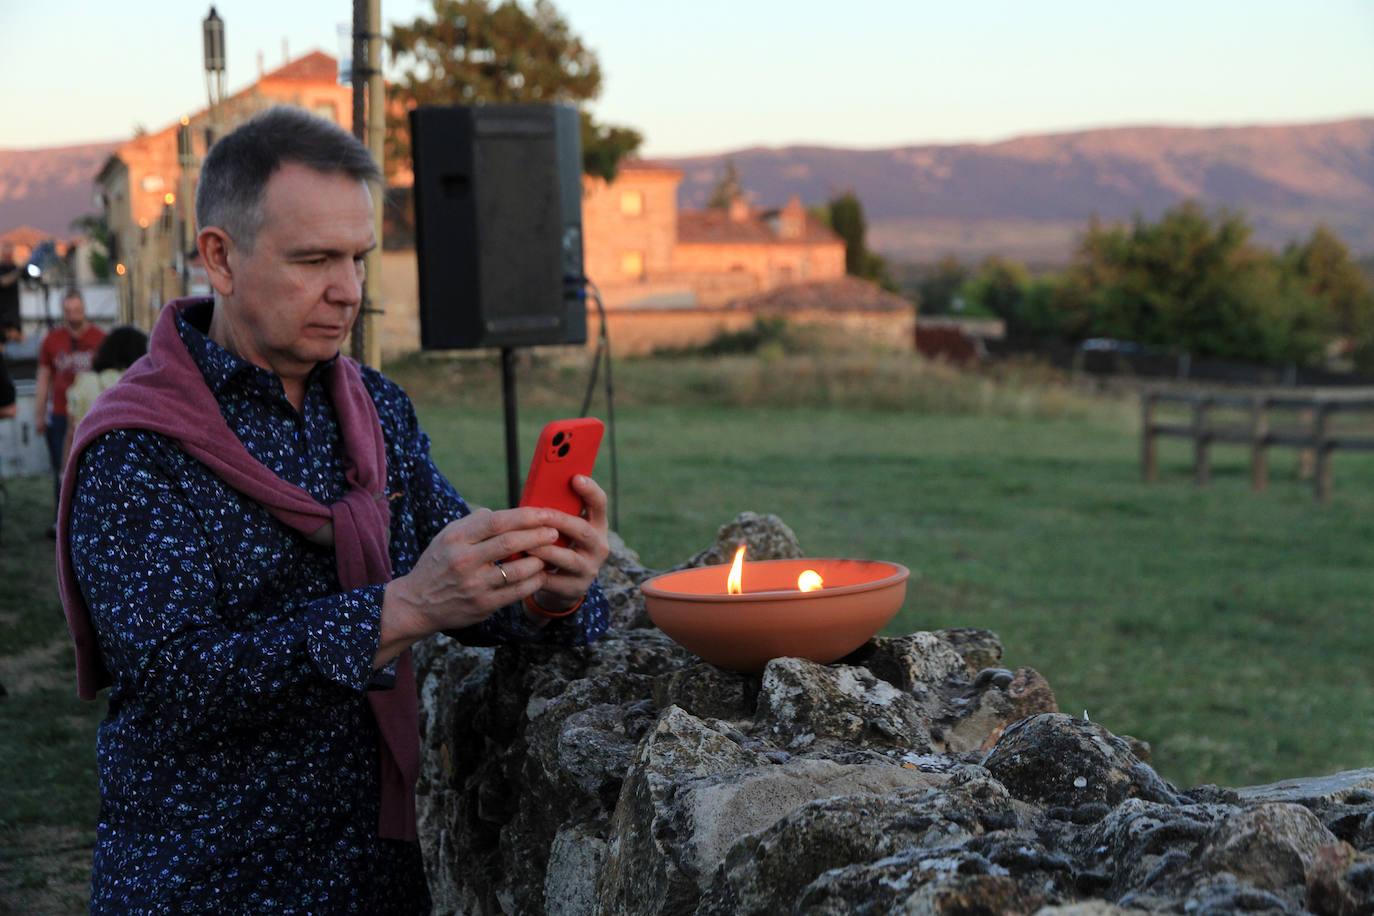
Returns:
<point x="498" y="225"/>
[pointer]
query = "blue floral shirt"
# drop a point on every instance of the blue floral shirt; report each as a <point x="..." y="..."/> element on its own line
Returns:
<point x="238" y="759"/>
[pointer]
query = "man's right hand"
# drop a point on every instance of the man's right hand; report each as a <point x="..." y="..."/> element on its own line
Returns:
<point x="457" y="581"/>
<point x="40" y="421"/>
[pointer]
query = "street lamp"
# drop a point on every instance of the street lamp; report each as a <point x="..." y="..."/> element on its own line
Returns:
<point x="212" y="28"/>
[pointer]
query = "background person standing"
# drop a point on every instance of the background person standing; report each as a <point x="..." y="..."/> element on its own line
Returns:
<point x="65" y="351"/>
<point x="10" y="274"/>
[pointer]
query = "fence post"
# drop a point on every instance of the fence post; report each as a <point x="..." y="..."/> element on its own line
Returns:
<point x="1149" y="452"/>
<point x="1202" y="442"/>
<point x="1307" y="458"/>
<point x="1322" y="446"/>
<point x="1259" y="443"/>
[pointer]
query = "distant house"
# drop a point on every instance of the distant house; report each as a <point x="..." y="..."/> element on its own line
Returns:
<point x="643" y="251"/>
<point x="147" y="185"/>
<point x="671" y="277"/>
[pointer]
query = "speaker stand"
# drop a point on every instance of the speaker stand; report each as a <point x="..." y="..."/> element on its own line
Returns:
<point x="512" y="436"/>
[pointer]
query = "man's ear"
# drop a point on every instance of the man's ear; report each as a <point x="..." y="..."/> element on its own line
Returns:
<point x="215" y="245"/>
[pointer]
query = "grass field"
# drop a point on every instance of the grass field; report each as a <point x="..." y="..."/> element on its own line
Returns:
<point x="1231" y="630"/>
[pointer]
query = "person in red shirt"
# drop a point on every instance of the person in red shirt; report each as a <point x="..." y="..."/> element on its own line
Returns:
<point x="65" y="351"/>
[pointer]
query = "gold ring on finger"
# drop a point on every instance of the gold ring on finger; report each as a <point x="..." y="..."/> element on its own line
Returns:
<point x="505" y="579"/>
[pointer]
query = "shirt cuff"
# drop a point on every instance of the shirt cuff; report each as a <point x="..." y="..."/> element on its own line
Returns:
<point x="342" y="635"/>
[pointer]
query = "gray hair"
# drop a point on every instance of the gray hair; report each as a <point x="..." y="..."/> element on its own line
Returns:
<point x="234" y="176"/>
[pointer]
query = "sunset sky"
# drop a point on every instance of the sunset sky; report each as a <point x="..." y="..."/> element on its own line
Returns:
<point x="722" y="74"/>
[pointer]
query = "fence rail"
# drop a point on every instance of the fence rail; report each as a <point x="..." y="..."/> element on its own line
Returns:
<point x="1313" y="432"/>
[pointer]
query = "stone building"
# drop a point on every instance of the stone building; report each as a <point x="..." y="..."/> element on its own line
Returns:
<point x="670" y="277"/>
<point x="642" y="250"/>
<point x="667" y="276"/>
<point x="147" y="184"/>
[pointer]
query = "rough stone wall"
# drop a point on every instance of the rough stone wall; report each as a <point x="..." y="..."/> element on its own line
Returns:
<point x="918" y="775"/>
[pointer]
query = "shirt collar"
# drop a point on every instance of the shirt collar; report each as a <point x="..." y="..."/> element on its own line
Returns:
<point x="218" y="365"/>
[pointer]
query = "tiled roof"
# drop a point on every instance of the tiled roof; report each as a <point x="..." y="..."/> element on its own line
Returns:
<point x="648" y="165"/>
<point x="715" y="227"/>
<point x="315" y="67"/>
<point x="25" y="236"/>
<point x="846" y="294"/>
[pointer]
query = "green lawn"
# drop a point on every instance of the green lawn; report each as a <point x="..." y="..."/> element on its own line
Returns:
<point x="1231" y="630"/>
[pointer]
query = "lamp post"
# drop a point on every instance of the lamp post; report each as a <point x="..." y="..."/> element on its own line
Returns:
<point x="212" y="29"/>
<point x="186" y="163"/>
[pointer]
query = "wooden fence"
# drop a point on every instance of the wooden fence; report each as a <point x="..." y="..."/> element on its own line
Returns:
<point x="1313" y="431"/>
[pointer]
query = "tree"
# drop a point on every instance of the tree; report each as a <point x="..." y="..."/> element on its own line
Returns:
<point x="99" y="241"/>
<point x="998" y="288"/>
<point x="847" y="219"/>
<point x="1189" y="282"/>
<point x="474" y="52"/>
<point x="1325" y="268"/>
<point x="727" y="188"/>
<point x="939" y="286"/>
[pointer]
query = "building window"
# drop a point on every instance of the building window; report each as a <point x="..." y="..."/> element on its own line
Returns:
<point x="152" y="184"/>
<point x="632" y="203"/>
<point x="327" y="111"/>
<point x="632" y="264"/>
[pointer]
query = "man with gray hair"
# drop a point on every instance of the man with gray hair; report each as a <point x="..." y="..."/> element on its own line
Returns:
<point x="252" y="536"/>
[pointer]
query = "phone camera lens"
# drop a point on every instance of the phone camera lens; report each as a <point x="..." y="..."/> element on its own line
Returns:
<point x="563" y="450"/>
<point x="558" y="438"/>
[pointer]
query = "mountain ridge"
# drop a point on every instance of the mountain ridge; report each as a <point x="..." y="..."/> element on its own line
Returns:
<point x="1029" y="196"/>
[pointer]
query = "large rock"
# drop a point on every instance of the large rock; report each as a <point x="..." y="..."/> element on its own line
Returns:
<point x="801" y="702"/>
<point x="766" y="537"/>
<point x="1271" y="846"/>
<point x="1058" y="760"/>
<point x="859" y="833"/>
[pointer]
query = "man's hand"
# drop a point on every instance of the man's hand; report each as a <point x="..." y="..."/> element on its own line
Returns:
<point x="457" y="581"/>
<point x="570" y="570"/>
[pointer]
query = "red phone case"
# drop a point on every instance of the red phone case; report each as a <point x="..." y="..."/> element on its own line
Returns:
<point x="566" y="448"/>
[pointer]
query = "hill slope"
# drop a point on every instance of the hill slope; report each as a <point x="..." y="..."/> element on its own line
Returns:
<point x="48" y="188"/>
<point x="1027" y="198"/>
<point x="1030" y="196"/>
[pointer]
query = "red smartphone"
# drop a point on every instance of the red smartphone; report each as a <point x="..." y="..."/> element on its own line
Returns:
<point x="566" y="448"/>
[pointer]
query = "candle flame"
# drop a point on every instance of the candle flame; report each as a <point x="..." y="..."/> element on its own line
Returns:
<point x="734" y="584"/>
<point x="809" y="581"/>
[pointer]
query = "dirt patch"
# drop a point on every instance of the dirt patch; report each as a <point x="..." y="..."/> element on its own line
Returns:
<point x="45" y="871"/>
<point x="41" y="668"/>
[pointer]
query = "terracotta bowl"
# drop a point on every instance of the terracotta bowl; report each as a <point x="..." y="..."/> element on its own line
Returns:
<point x="772" y="619"/>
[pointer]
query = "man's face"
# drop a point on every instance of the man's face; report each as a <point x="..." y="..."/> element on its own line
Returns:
<point x="296" y="293"/>
<point x="74" y="312"/>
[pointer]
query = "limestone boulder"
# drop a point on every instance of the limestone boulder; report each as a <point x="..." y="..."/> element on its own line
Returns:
<point x="801" y="702"/>
<point x="1059" y="760"/>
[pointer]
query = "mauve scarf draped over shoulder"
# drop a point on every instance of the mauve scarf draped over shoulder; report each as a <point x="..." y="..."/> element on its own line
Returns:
<point x="165" y="393"/>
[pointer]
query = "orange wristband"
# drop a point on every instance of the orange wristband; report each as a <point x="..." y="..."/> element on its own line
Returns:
<point x="534" y="608"/>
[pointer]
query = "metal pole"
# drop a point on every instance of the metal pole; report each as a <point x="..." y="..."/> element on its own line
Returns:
<point x="358" y="343"/>
<point x="376" y="140"/>
<point x="512" y="433"/>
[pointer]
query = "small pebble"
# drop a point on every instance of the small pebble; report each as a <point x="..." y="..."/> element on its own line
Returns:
<point x="1080" y="783"/>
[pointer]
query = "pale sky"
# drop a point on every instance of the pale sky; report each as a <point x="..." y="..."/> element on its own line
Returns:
<point x="713" y="75"/>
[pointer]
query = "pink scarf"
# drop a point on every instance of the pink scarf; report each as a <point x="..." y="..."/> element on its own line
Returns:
<point x="165" y="393"/>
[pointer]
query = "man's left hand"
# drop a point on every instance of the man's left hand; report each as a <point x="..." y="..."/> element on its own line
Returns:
<point x="570" y="570"/>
